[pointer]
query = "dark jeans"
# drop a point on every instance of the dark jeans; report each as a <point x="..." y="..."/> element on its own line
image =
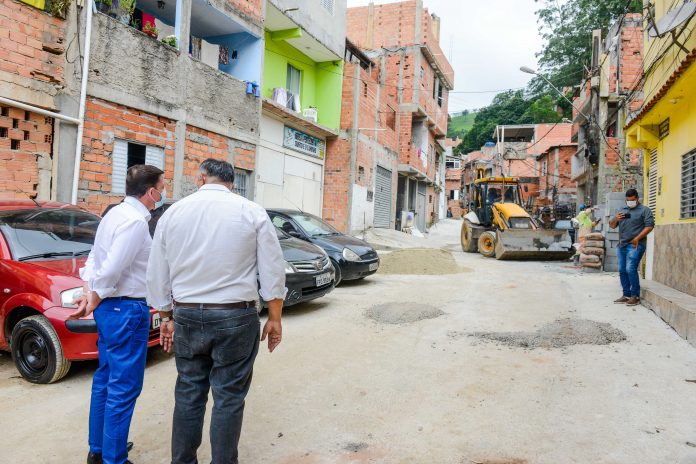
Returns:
<point x="214" y="348"/>
<point x="629" y="259"/>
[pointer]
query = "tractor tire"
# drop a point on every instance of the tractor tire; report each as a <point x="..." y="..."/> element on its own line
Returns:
<point x="36" y="351"/>
<point x="486" y="244"/>
<point x="469" y="245"/>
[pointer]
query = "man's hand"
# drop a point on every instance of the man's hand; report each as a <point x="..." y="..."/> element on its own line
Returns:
<point x="274" y="330"/>
<point x="635" y="242"/>
<point x="620" y="216"/>
<point x="86" y="304"/>
<point x="167" y="336"/>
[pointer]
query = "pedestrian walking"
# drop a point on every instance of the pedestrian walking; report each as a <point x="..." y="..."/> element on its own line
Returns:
<point x="635" y="222"/>
<point x="115" y="291"/>
<point x="211" y="253"/>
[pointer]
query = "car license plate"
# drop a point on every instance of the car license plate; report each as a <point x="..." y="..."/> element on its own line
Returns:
<point x="323" y="279"/>
<point x="155" y="321"/>
<point x="374" y="266"/>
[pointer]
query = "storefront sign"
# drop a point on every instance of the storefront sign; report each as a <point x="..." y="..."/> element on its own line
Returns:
<point x="304" y="143"/>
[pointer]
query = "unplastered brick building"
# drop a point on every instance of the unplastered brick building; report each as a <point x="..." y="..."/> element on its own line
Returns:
<point x="166" y="85"/>
<point x="414" y="78"/>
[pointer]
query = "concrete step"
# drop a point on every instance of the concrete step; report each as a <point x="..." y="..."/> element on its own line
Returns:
<point x="674" y="307"/>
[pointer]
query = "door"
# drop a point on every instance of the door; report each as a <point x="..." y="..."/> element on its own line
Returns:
<point x="420" y="207"/>
<point x="383" y="198"/>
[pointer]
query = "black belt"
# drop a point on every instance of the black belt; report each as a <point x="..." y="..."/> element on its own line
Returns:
<point x="237" y="305"/>
<point x="128" y="298"/>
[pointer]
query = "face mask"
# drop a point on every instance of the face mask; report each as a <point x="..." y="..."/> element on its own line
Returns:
<point x="631" y="203"/>
<point x="163" y="196"/>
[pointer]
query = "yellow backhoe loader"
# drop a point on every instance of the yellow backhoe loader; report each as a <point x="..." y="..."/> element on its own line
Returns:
<point x="496" y="224"/>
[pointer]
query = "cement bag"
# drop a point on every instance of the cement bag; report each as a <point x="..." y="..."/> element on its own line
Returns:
<point x="588" y="259"/>
<point x="594" y="236"/>
<point x="594" y="243"/>
<point x="593" y="251"/>
<point x="592" y="265"/>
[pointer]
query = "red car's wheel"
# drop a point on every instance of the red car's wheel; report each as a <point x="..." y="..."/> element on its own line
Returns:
<point x="36" y="351"/>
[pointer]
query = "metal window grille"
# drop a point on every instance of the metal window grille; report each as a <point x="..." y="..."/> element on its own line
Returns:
<point x="688" y="186"/>
<point x="328" y="5"/>
<point x="663" y="129"/>
<point x="652" y="181"/>
<point x="241" y="183"/>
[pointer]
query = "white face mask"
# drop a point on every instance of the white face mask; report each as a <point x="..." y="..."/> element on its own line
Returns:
<point x="631" y="203"/>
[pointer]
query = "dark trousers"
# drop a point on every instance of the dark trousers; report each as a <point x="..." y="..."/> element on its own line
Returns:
<point x="215" y="348"/>
<point x="629" y="260"/>
<point x="123" y="327"/>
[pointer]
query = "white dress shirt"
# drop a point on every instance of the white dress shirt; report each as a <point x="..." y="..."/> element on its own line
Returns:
<point x="214" y="247"/>
<point x="117" y="264"/>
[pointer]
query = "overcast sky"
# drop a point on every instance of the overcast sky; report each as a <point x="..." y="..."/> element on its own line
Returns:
<point x="489" y="41"/>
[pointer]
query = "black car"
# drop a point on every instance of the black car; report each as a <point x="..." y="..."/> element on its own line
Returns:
<point x="309" y="273"/>
<point x="352" y="258"/>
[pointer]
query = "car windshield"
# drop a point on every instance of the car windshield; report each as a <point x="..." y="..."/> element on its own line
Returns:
<point x="42" y="233"/>
<point x="313" y="226"/>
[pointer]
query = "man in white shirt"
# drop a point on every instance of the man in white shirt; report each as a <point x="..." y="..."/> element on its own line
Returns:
<point x="115" y="291"/>
<point x="211" y="252"/>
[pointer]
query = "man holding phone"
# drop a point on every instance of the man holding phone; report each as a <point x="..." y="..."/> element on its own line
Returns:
<point x="635" y="222"/>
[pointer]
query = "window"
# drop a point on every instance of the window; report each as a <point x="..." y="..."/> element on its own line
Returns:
<point x="543" y="168"/>
<point x="453" y="163"/>
<point x="652" y="181"/>
<point x="440" y="99"/>
<point x="663" y="129"/>
<point x="294" y="79"/>
<point x="241" y="182"/>
<point x="328" y="5"/>
<point x="688" y="186"/>
<point x="127" y="154"/>
<point x="435" y="87"/>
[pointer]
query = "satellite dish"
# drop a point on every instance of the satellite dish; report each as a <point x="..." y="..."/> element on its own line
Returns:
<point x="673" y="20"/>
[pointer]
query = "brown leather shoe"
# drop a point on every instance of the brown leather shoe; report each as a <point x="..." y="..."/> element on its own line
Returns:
<point x="633" y="301"/>
<point x="622" y="300"/>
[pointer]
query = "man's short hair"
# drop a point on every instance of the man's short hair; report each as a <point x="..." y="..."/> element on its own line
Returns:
<point x="140" y="178"/>
<point x="631" y="193"/>
<point x="221" y="170"/>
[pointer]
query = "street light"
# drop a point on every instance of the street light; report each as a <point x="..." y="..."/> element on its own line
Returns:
<point x="528" y="70"/>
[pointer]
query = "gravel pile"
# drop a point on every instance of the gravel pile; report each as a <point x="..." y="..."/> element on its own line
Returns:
<point x="558" y="334"/>
<point x="402" y="313"/>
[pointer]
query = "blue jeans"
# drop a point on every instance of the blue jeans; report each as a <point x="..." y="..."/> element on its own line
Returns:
<point x="214" y="348"/>
<point x="629" y="259"/>
<point x="122" y="327"/>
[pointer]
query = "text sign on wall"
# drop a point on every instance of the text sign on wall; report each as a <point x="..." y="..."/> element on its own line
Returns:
<point x="304" y="143"/>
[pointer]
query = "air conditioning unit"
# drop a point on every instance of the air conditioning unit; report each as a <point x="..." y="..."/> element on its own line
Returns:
<point x="310" y="113"/>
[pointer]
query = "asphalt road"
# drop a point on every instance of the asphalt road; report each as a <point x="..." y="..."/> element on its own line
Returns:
<point x="387" y="371"/>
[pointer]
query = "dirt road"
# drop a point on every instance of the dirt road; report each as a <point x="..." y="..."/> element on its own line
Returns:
<point x="415" y="369"/>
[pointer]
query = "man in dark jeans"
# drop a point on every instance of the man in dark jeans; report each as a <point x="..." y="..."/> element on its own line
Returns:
<point x="211" y="252"/>
<point x="635" y="222"/>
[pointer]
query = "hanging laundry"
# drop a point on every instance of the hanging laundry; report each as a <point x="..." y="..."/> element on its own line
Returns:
<point x="224" y="55"/>
<point x="296" y="103"/>
<point x="291" y="101"/>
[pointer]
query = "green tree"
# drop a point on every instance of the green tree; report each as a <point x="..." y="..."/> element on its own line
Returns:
<point x="566" y="26"/>
<point x="541" y="110"/>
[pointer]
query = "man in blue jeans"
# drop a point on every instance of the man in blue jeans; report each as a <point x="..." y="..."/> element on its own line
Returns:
<point x="115" y="290"/>
<point x="635" y="222"/>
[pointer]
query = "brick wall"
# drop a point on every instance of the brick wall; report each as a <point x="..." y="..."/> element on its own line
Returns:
<point x="33" y="45"/>
<point x="25" y="154"/>
<point x="104" y="122"/>
<point x="392" y="25"/>
<point x="336" y="183"/>
<point x="252" y="9"/>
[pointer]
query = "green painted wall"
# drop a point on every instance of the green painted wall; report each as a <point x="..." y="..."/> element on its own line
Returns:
<point x="321" y="85"/>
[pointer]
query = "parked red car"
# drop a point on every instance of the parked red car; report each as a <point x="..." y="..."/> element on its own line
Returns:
<point x="42" y="247"/>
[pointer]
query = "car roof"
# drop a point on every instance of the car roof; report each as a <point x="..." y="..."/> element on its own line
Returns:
<point x="285" y="211"/>
<point x="30" y="204"/>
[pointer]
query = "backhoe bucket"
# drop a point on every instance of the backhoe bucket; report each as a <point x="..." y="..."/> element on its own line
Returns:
<point x="540" y="244"/>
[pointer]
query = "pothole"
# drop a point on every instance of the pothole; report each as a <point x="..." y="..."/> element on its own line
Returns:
<point x="355" y="447"/>
<point x="402" y="313"/>
<point x="558" y="334"/>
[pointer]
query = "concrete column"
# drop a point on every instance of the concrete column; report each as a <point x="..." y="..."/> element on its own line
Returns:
<point x="179" y="148"/>
<point x="182" y="25"/>
<point x="353" y="142"/>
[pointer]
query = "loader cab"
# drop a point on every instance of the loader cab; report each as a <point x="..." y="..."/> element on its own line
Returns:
<point x="491" y="190"/>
